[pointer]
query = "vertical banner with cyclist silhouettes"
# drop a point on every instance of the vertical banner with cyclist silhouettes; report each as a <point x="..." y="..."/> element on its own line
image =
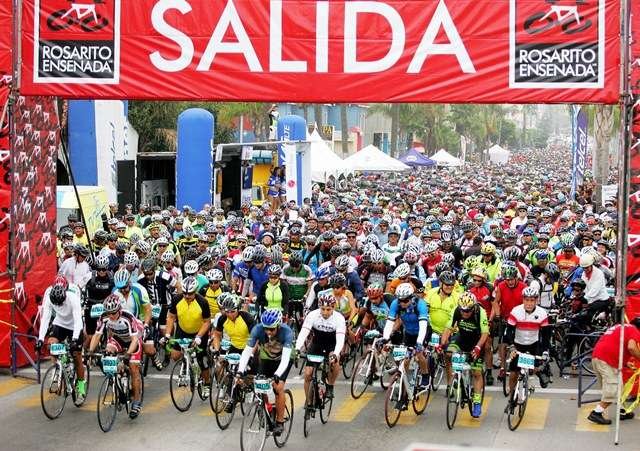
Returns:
<point x="77" y="41"/>
<point x="32" y="178"/>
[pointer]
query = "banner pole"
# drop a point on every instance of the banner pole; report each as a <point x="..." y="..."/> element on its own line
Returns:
<point x="626" y="105"/>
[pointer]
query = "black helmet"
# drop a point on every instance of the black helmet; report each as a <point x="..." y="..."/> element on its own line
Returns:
<point x="148" y="265"/>
<point x="295" y="259"/>
<point x="81" y="250"/>
<point x="57" y="294"/>
<point x="447" y="278"/>
<point x="442" y="267"/>
<point x="335" y="250"/>
<point x="337" y="280"/>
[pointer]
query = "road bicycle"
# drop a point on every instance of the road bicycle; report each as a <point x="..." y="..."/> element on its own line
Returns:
<point x="567" y="17"/>
<point x="517" y="404"/>
<point x="316" y="396"/>
<point x="59" y="382"/>
<point x="404" y="387"/>
<point x="295" y="317"/>
<point x="85" y="16"/>
<point x="435" y="361"/>
<point x="350" y="353"/>
<point x="186" y="375"/>
<point x="156" y="335"/>
<point x="461" y="391"/>
<point x="229" y="392"/>
<point x="116" y="391"/>
<point x="375" y="363"/>
<point x="260" y="419"/>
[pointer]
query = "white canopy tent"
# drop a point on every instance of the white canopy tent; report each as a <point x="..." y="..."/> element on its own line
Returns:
<point x="498" y="155"/>
<point x="372" y="159"/>
<point x="324" y="162"/>
<point x="444" y="158"/>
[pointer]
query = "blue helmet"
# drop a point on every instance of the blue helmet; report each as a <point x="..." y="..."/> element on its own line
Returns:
<point x="323" y="273"/>
<point x="271" y="318"/>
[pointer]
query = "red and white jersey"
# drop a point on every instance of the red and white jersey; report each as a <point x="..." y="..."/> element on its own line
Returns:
<point x="527" y="324"/>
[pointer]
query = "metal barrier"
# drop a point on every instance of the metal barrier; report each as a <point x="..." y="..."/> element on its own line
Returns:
<point x="17" y="346"/>
<point x="586" y="380"/>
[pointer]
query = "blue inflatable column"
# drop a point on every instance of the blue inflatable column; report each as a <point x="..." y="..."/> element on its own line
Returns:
<point x="292" y="128"/>
<point x="194" y="158"/>
<point x="83" y="152"/>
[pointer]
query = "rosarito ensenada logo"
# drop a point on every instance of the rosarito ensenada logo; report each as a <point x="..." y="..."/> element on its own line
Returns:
<point x="77" y="41"/>
<point x="556" y="44"/>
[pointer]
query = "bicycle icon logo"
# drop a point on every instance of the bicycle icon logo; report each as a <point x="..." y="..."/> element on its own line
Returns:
<point x="567" y="17"/>
<point x="81" y="14"/>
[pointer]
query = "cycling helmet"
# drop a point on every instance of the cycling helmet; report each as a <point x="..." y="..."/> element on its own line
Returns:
<point x="449" y="259"/>
<point x="441" y="267"/>
<point x="131" y="258"/>
<point x="431" y="247"/>
<point x="143" y="247"/>
<point x="188" y="231"/>
<point x="66" y="234"/>
<point x="509" y="272"/>
<point x="530" y="292"/>
<point x="190" y="285"/>
<point x="296" y="259"/>
<point x="326" y="299"/>
<point x="488" y="249"/>
<point x="122" y="246"/>
<point x="542" y="254"/>
<point x="435" y="227"/>
<point x="335" y="250"/>
<point x="403" y="270"/>
<point x="57" y="294"/>
<point x="446" y="236"/>
<point x="148" y="265"/>
<point x="338" y="280"/>
<point x="259" y="253"/>
<point x="342" y="263"/>
<point x="404" y="291"/>
<point x="327" y="236"/>
<point x="552" y="271"/>
<point x="587" y="260"/>
<point x="323" y="273"/>
<point x="510" y="234"/>
<point x="447" y="278"/>
<point x="276" y="255"/>
<point x="102" y="262"/>
<point x="134" y="238"/>
<point x="377" y="256"/>
<point x="373" y="239"/>
<point x="275" y="270"/>
<point x="271" y="318"/>
<point x="512" y="253"/>
<point x="375" y="290"/>
<point x="167" y="257"/>
<point x="81" y="249"/>
<point x="191" y="267"/>
<point x="394" y="230"/>
<point x="231" y="302"/>
<point x="479" y="271"/>
<point x="112" y="303"/>
<point x="121" y="278"/>
<point x="215" y="275"/>
<point x="61" y="280"/>
<point x="410" y="257"/>
<point x="467" y="301"/>
<point x="582" y="227"/>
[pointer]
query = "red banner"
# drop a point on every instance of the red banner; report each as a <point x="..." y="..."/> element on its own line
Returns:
<point x="633" y="241"/>
<point x="482" y="51"/>
<point x="33" y="184"/>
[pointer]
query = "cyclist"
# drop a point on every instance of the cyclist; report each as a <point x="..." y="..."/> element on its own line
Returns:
<point x="321" y="284"/>
<point x="468" y="331"/>
<point x="124" y="331"/>
<point x="98" y="288"/>
<point x="213" y="290"/>
<point x="274" y="341"/>
<point x="275" y="293"/>
<point x="442" y="302"/>
<point x="508" y="294"/>
<point x="483" y="291"/>
<point x="65" y="304"/>
<point x="527" y="331"/>
<point x="413" y="313"/>
<point x="190" y="317"/>
<point x="300" y="279"/>
<point x="329" y="329"/>
<point x="345" y="303"/>
<point x="403" y="274"/>
<point x="77" y="270"/>
<point x="375" y="310"/>
<point x="234" y="323"/>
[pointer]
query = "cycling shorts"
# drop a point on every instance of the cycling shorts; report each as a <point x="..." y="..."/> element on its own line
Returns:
<point x="533" y="349"/>
<point x="122" y="347"/>
<point x="62" y="333"/>
<point x="268" y="368"/>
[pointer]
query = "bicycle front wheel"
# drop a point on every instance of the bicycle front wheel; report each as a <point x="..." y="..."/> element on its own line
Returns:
<point x="387" y="371"/>
<point x="325" y="406"/>
<point x="107" y="404"/>
<point x="288" y="420"/>
<point x="421" y="399"/>
<point x="181" y="386"/>
<point x="454" y="396"/>
<point x="519" y="399"/>
<point x="437" y="372"/>
<point x="53" y="392"/>
<point x="349" y="361"/>
<point x="393" y="402"/>
<point x="253" y="433"/>
<point x="223" y="406"/>
<point x="362" y="376"/>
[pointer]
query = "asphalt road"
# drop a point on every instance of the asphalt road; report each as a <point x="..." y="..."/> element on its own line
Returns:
<point x="552" y="420"/>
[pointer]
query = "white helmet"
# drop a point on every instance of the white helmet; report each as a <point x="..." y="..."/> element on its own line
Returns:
<point x="402" y="270"/>
<point x="342" y="262"/>
<point x="168" y="257"/>
<point x="131" y="258"/>
<point x="430" y="247"/>
<point x="191" y="267"/>
<point x="587" y="260"/>
<point x="404" y="291"/>
<point x="215" y="275"/>
<point x="247" y="254"/>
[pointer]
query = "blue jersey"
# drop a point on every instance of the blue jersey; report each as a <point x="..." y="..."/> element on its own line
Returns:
<point x="380" y="312"/>
<point x="417" y="311"/>
<point x="259" y="277"/>
<point x="241" y="270"/>
<point x="271" y="349"/>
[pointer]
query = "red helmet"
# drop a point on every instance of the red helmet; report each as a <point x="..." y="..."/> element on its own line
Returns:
<point x="61" y="280"/>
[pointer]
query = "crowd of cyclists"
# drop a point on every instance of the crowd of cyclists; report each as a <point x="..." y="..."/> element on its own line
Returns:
<point x="484" y="261"/>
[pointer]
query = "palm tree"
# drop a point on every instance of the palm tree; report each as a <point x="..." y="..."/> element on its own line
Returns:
<point x="344" y="126"/>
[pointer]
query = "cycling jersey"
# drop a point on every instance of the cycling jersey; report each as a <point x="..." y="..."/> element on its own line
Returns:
<point x="271" y="349"/>
<point x="123" y="329"/>
<point x="484" y="295"/>
<point x="99" y="287"/>
<point x="238" y="331"/>
<point x="274" y="296"/>
<point x="68" y="315"/>
<point x="327" y="332"/>
<point x="468" y="331"/>
<point x="190" y="315"/>
<point x="379" y="311"/>
<point x="259" y="277"/>
<point x="212" y="299"/>
<point x="440" y="310"/>
<point x="416" y="311"/>
<point x="509" y="297"/>
<point x="135" y="300"/>
<point x="298" y="280"/>
<point x="527" y="325"/>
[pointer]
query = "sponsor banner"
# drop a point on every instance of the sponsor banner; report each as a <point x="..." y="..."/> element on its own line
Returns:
<point x="514" y="51"/>
<point x="580" y="140"/>
<point x="6" y="33"/>
<point x="609" y="193"/>
<point x="5" y="206"/>
<point x="633" y="238"/>
<point x="33" y="212"/>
